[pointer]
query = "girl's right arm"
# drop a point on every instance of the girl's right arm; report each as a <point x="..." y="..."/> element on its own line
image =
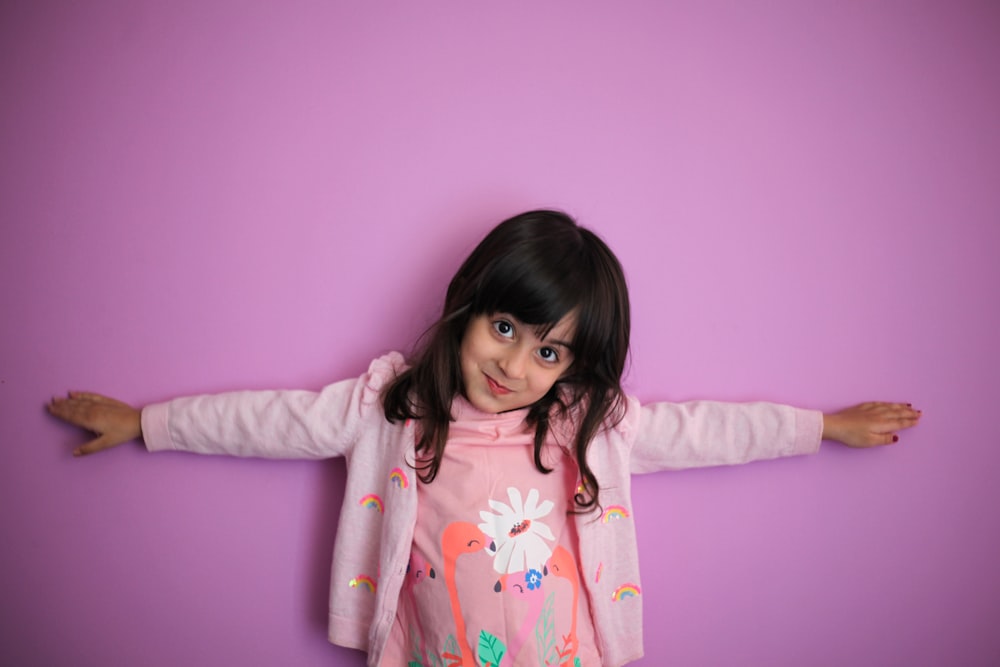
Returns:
<point x="272" y="424"/>
<point x="111" y="421"/>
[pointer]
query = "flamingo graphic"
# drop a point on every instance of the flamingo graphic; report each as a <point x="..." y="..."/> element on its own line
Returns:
<point x="514" y="584"/>
<point x="417" y="571"/>
<point x="561" y="564"/>
<point x="459" y="538"/>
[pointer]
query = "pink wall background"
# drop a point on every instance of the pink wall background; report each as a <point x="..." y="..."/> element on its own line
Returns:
<point x="207" y="196"/>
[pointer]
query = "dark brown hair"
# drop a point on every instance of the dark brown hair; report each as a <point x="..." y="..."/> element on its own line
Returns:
<point x="538" y="266"/>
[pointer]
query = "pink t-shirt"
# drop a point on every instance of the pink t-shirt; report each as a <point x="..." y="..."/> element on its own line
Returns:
<point x="493" y="576"/>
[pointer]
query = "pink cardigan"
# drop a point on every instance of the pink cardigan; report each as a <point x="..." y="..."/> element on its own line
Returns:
<point x="380" y="506"/>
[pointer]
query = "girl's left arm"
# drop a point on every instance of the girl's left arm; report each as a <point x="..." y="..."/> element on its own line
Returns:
<point x="870" y="424"/>
<point x="671" y="436"/>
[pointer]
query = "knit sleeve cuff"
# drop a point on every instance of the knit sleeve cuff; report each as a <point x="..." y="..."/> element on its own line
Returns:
<point x="155" y="432"/>
<point x="808" y="431"/>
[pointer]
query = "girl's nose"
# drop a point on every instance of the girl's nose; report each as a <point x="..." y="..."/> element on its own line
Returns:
<point x="513" y="364"/>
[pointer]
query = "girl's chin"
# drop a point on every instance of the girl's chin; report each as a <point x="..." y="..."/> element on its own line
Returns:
<point x="491" y="404"/>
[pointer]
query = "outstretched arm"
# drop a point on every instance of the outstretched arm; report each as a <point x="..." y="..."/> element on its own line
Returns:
<point x="110" y="420"/>
<point x="672" y="436"/>
<point x="869" y="424"/>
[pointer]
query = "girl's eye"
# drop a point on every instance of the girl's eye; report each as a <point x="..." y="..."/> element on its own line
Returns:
<point x="504" y="328"/>
<point x="548" y="354"/>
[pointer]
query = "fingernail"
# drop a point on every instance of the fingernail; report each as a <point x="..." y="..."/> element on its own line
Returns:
<point x="895" y="438"/>
<point x="77" y="452"/>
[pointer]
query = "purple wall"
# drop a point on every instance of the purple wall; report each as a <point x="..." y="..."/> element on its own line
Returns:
<point x="199" y="196"/>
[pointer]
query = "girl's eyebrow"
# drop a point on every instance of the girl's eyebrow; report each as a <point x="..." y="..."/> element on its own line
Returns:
<point x="556" y="341"/>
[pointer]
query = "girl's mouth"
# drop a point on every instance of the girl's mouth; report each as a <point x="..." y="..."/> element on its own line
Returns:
<point x="496" y="388"/>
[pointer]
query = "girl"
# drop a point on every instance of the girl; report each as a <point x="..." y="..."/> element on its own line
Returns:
<point x="487" y="515"/>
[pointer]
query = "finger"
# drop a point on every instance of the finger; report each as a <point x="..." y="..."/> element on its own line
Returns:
<point x="887" y="411"/>
<point x="882" y="439"/>
<point x="902" y="418"/>
<point x="85" y="395"/>
<point x="96" y="398"/>
<point x="63" y="408"/>
<point x="94" y="446"/>
<point x="891" y="408"/>
<point x="909" y="411"/>
<point x="71" y="410"/>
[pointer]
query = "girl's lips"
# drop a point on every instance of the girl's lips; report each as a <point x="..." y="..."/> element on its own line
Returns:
<point x="495" y="387"/>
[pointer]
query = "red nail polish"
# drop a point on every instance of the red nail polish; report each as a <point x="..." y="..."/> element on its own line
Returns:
<point x="895" y="438"/>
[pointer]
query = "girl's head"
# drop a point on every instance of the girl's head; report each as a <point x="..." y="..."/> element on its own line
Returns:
<point x="539" y="276"/>
<point x="537" y="316"/>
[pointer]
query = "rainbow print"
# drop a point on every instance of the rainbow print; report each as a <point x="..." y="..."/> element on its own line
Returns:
<point x="398" y="477"/>
<point x="625" y="591"/>
<point x="364" y="582"/>
<point x="613" y="513"/>
<point x="373" y="502"/>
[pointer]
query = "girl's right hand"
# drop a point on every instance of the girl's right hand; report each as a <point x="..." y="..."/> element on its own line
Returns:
<point x="112" y="421"/>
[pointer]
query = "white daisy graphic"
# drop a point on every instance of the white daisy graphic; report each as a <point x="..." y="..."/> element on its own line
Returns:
<point x="518" y="535"/>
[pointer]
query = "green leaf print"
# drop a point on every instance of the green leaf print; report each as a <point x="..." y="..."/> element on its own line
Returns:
<point x="577" y="663"/>
<point x="451" y="655"/>
<point x="416" y="656"/>
<point x="545" y="633"/>
<point x="491" y="649"/>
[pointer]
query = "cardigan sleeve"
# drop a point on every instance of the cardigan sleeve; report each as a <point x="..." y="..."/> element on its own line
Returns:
<point x="671" y="436"/>
<point x="272" y="424"/>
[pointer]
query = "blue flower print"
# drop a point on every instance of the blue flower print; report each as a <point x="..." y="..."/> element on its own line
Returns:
<point x="533" y="578"/>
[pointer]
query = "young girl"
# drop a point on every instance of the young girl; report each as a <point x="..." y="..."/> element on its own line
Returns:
<point x="487" y="515"/>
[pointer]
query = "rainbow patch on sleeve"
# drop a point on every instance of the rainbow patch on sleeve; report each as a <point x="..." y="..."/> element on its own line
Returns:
<point x="398" y="477"/>
<point x="372" y="501"/>
<point x="364" y="582"/>
<point x="613" y="513"/>
<point x="625" y="591"/>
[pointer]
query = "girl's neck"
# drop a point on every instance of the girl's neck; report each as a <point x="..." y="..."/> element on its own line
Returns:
<point x="462" y="409"/>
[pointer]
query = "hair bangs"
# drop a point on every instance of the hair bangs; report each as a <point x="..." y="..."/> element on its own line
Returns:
<point x="539" y="295"/>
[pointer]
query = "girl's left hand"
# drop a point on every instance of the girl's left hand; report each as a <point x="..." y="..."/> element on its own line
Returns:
<point x="869" y="424"/>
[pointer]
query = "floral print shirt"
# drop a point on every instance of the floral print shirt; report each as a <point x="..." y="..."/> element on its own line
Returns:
<point x="493" y="576"/>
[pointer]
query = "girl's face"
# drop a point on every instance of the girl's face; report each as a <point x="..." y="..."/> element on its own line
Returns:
<point x="506" y="366"/>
